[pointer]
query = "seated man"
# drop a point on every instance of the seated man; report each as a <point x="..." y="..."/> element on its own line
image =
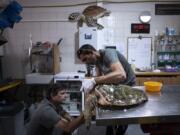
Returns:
<point x="50" y="114"/>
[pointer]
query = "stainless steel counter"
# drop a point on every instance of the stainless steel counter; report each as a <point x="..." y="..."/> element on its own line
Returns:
<point x="160" y="108"/>
<point x="157" y="73"/>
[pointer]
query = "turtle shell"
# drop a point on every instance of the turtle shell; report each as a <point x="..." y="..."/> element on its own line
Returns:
<point x="119" y="96"/>
<point x="93" y="11"/>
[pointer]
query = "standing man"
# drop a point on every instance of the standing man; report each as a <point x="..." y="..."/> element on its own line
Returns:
<point x="50" y="115"/>
<point x="111" y="68"/>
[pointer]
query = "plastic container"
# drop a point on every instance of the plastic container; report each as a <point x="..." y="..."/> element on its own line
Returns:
<point x="152" y="86"/>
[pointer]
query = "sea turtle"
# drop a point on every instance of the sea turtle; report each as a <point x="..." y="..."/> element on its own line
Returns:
<point x="112" y="97"/>
<point x="89" y="16"/>
<point x="119" y="96"/>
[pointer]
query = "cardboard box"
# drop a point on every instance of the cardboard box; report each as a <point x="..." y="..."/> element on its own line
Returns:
<point x="45" y="60"/>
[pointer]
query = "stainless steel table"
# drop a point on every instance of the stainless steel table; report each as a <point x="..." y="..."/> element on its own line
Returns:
<point x="163" y="107"/>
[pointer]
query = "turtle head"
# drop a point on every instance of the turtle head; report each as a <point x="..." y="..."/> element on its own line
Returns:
<point x="75" y="16"/>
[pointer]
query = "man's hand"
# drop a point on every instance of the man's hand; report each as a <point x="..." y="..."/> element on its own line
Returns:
<point x="88" y="85"/>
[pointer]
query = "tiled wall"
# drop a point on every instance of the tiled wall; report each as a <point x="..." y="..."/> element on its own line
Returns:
<point x="118" y="25"/>
<point x="44" y="24"/>
<point x="50" y="24"/>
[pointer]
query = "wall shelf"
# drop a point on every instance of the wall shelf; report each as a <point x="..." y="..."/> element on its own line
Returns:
<point x="167" y="51"/>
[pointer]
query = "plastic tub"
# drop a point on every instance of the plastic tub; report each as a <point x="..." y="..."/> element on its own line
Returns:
<point x="152" y="86"/>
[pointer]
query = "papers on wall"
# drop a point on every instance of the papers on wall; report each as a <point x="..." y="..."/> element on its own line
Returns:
<point x="139" y="51"/>
<point x="88" y="35"/>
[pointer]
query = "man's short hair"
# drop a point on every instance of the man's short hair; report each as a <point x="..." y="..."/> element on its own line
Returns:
<point x="85" y="49"/>
<point x="55" y="88"/>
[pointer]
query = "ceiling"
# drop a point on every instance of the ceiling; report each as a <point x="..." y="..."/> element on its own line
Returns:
<point x="74" y="2"/>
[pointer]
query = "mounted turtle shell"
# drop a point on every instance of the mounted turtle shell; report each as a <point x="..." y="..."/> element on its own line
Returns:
<point x="94" y="11"/>
<point x="89" y="16"/>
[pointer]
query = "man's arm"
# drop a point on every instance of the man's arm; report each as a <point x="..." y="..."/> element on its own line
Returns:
<point x="98" y="73"/>
<point x="117" y="75"/>
<point x="70" y="126"/>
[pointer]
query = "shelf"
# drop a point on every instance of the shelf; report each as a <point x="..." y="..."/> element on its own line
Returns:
<point x="168" y="36"/>
<point x="168" y="63"/>
<point x="168" y="52"/>
<point x="73" y="91"/>
<point x="10" y="85"/>
<point x="73" y="108"/>
<point x="42" y="53"/>
<point x="46" y="60"/>
<point x="74" y="113"/>
<point x="178" y="36"/>
<point x="70" y="102"/>
<point x="170" y="44"/>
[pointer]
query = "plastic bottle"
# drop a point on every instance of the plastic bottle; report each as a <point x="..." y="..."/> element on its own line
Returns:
<point x="133" y="66"/>
<point x="167" y="31"/>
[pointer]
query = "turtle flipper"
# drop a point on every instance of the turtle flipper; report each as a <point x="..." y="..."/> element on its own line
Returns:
<point x="90" y="104"/>
<point x="107" y="13"/>
<point x="80" y="23"/>
<point x="93" y="23"/>
<point x="99" y="26"/>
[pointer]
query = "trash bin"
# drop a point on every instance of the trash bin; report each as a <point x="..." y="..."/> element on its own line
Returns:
<point x="11" y="118"/>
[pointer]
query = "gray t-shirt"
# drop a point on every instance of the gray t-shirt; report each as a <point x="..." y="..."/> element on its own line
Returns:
<point x="44" y="119"/>
<point x="110" y="56"/>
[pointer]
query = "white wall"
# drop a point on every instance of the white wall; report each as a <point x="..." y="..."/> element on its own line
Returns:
<point x="50" y="24"/>
<point x="118" y="25"/>
<point x="45" y="24"/>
